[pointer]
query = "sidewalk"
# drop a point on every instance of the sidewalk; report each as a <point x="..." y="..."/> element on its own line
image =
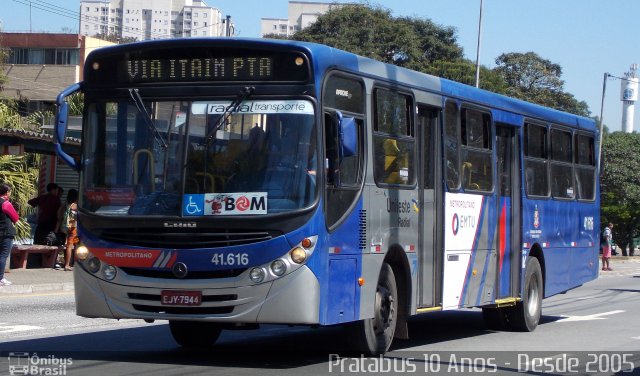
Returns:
<point x="37" y="280"/>
<point x="44" y="280"/>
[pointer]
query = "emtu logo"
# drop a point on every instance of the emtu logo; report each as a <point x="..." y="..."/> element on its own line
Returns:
<point x="455" y="224"/>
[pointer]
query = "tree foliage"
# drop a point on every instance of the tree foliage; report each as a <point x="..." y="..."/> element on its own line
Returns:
<point x="532" y="78"/>
<point x="19" y="171"/>
<point x="115" y="38"/>
<point x="422" y="45"/>
<point x="620" y="185"/>
<point x="373" y="32"/>
<point x="465" y="71"/>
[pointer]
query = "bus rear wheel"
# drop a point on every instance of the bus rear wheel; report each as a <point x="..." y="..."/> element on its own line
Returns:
<point x="526" y="314"/>
<point x="374" y="336"/>
<point x="195" y="334"/>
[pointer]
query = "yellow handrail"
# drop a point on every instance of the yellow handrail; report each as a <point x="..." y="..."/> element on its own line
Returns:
<point x="152" y="169"/>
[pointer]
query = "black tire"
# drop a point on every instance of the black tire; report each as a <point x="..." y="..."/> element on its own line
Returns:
<point x="374" y="336"/>
<point x="195" y="334"/>
<point x="526" y="314"/>
<point x="496" y="318"/>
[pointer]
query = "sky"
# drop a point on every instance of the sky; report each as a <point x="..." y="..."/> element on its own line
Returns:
<point x="587" y="38"/>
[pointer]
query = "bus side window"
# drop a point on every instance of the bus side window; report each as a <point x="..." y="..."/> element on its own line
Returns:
<point x="331" y="161"/>
<point x="477" y="162"/>
<point x="452" y="162"/>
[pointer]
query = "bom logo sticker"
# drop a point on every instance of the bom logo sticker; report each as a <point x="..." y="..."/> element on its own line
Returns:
<point x="235" y="203"/>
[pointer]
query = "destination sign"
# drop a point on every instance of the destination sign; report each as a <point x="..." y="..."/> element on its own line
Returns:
<point x="244" y="68"/>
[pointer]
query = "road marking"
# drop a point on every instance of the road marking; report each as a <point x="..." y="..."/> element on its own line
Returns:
<point x="589" y="297"/>
<point x="17" y="328"/>
<point x="596" y="316"/>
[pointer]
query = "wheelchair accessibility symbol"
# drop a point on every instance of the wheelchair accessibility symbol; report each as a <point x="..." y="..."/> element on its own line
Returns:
<point x="193" y="205"/>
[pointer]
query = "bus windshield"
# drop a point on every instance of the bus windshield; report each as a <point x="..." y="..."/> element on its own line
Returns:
<point x="182" y="158"/>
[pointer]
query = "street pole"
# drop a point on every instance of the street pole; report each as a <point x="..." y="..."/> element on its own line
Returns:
<point x="604" y="89"/>
<point x="478" y="49"/>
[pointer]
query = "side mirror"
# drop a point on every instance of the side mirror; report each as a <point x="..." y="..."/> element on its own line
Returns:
<point x="62" y="120"/>
<point x="348" y="134"/>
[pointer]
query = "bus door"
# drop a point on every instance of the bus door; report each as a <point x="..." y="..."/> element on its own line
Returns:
<point x="508" y="188"/>
<point x="428" y="257"/>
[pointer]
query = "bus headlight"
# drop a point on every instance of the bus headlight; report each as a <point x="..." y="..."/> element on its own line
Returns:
<point x="109" y="272"/>
<point x="82" y="252"/>
<point x="278" y="267"/>
<point x="93" y="265"/>
<point x="257" y="275"/>
<point x="298" y="255"/>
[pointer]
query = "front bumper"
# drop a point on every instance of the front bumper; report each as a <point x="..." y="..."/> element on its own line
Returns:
<point x="291" y="299"/>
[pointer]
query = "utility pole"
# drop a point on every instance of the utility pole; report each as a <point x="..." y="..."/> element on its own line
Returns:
<point x="478" y="50"/>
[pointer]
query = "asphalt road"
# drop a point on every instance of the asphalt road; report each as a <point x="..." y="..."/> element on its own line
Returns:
<point x="597" y="324"/>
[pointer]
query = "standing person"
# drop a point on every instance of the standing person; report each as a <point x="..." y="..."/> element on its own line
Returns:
<point x="69" y="214"/>
<point x="607" y="241"/>
<point x="7" y="230"/>
<point x="48" y="205"/>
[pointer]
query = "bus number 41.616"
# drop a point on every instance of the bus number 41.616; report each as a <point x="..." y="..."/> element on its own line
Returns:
<point x="229" y="259"/>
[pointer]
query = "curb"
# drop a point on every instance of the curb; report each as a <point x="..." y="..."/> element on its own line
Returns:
<point x="36" y="288"/>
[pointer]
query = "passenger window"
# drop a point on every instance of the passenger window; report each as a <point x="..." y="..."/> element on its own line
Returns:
<point x="536" y="164"/>
<point x="561" y="165"/>
<point x="585" y="167"/>
<point x="394" y="144"/>
<point x="477" y="158"/>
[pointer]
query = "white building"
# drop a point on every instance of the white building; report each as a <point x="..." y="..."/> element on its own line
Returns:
<point x="301" y="15"/>
<point x="157" y="19"/>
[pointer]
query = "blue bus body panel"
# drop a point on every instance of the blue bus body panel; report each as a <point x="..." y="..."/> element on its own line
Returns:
<point x="568" y="237"/>
<point x="514" y="106"/>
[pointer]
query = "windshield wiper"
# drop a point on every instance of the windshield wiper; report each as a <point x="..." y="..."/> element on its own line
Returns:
<point x="233" y="107"/>
<point x="137" y="100"/>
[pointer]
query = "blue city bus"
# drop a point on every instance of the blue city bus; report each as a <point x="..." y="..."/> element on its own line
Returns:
<point x="227" y="183"/>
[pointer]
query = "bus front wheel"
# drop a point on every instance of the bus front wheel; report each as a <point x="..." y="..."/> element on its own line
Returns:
<point x="195" y="334"/>
<point x="374" y="336"/>
<point x="526" y="314"/>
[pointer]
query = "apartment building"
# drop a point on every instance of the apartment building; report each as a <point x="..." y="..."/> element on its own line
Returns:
<point x="40" y="65"/>
<point x="301" y="15"/>
<point x="157" y="19"/>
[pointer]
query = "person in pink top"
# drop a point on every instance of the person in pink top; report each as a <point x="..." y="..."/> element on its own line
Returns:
<point x="7" y="229"/>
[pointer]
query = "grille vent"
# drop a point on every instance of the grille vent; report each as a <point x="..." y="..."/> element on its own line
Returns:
<point x="362" y="230"/>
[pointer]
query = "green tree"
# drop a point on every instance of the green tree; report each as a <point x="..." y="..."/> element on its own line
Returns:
<point x="19" y="171"/>
<point x="373" y="32"/>
<point x="534" y="79"/>
<point x="465" y="71"/>
<point x="620" y="185"/>
<point x="115" y="38"/>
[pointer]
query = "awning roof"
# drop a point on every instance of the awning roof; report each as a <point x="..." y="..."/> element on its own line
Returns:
<point x="36" y="142"/>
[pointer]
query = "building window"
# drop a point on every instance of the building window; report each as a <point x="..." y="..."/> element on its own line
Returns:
<point x="49" y="56"/>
